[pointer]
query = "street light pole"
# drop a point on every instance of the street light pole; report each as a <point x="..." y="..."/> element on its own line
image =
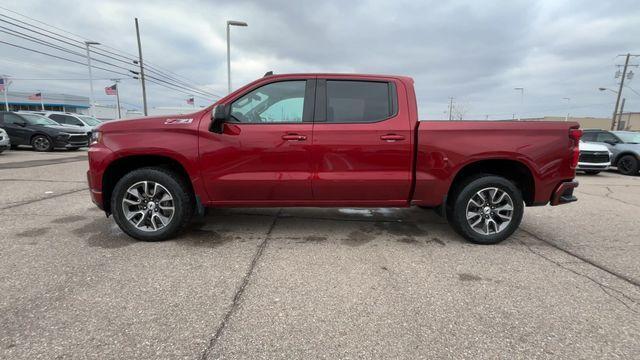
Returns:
<point x="521" y="101"/>
<point x="87" y="44"/>
<point x="450" y="108"/>
<point x="566" y="118"/>
<point x="229" y="24"/>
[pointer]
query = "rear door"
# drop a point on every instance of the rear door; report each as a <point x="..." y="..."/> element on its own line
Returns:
<point x="361" y="143"/>
<point x="264" y="152"/>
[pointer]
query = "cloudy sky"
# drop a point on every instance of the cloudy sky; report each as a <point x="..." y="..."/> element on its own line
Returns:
<point x="474" y="51"/>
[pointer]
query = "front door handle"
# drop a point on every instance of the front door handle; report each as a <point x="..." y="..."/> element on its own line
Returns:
<point x="294" y="137"/>
<point x="391" y="137"/>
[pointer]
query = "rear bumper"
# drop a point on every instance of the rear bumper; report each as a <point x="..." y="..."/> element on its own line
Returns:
<point x="563" y="194"/>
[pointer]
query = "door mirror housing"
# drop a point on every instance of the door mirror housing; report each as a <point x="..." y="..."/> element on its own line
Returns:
<point x="218" y="118"/>
<point x="611" y="142"/>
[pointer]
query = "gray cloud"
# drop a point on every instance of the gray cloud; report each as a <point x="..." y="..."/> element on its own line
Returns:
<point x="475" y="51"/>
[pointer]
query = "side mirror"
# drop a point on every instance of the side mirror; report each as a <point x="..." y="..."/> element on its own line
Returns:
<point x="218" y="118"/>
<point x="611" y="142"/>
<point x="23" y="124"/>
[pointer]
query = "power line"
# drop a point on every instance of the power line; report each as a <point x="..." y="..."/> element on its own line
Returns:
<point x="62" y="58"/>
<point x="99" y="51"/>
<point x="59" y="48"/>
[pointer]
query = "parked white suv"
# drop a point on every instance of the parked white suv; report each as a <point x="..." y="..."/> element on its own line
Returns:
<point x="593" y="158"/>
<point x="85" y="122"/>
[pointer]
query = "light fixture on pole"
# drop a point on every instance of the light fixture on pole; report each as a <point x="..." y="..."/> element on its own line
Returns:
<point x="229" y="24"/>
<point x="87" y="44"/>
<point x="566" y="118"/>
<point x="521" y="89"/>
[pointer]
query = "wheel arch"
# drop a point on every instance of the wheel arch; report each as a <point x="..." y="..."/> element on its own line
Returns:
<point x="624" y="153"/>
<point x="516" y="171"/>
<point x="118" y="168"/>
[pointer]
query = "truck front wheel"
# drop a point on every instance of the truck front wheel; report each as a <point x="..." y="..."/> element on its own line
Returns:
<point x="486" y="209"/>
<point x="152" y="204"/>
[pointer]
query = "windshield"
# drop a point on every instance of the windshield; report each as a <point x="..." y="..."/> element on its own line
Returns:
<point x="38" y="119"/>
<point x="91" y="121"/>
<point x="629" y="137"/>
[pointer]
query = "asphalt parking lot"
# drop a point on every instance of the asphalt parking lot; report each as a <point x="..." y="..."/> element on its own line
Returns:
<point x="312" y="283"/>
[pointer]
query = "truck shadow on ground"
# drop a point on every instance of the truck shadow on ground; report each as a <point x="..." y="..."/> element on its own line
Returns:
<point x="312" y="226"/>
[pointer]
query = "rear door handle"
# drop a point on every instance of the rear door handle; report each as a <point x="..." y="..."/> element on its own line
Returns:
<point x="294" y="137"/>
<point x="391" y="137"/>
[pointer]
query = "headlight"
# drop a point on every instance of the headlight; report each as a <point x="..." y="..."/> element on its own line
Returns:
<point x="96" y="137"/>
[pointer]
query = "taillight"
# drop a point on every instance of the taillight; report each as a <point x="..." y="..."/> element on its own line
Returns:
<point x="575" y="135"/>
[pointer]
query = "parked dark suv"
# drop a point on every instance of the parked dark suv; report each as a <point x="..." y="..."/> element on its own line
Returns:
<point x="40" y="132"/>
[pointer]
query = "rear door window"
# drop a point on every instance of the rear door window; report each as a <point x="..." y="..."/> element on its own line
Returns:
<point x="358" y="101"/>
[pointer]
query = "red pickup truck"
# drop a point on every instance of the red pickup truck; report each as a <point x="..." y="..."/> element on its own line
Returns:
<point x="328" y="140"/>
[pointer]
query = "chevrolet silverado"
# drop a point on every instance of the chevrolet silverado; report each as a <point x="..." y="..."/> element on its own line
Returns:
<point x="328" y="140"/>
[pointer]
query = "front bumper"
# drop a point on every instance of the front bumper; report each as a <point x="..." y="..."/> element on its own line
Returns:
<point x="593" y="166"/>
<point x="563" y="194"/>
<point x="73" y="141"/>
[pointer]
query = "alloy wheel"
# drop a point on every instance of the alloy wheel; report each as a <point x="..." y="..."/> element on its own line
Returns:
<point x="489" y="211"/>
<point x="148" y="206"/>
<point x="41" y="143"/>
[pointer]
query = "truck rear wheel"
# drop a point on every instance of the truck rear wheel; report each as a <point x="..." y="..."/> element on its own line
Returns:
<point x="486" y="209"/>
<point x="152" y="204"/>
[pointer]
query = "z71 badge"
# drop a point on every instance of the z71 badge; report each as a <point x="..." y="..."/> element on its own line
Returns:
<point x="178" y="121"/>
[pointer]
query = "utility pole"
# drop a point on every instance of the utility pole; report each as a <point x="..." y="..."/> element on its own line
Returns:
<point x="624" y="74"/>
<point x="5" y="80"/>
<point x="117" y="81"/>
<point x="144" y="90"/>
<point x="41" y="100"/>
<point x="619" y="121"/>
<point x="451" y="108"/>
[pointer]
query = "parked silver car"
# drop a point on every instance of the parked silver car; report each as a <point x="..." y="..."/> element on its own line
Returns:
<point x="84" y="122"/>
<point x="624" y="145"/>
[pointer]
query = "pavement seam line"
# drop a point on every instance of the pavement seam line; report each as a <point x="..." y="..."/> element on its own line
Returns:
<point x="27" y="202"/>
<point x="236" y="298"/>
<point x="602" y="286"/>
<point x="36" y="163"/>
<point x="584" y="259"/>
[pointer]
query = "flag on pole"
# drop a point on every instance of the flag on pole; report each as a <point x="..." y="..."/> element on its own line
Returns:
<point x="190" y="100"/>
<point x="36" y="96"/>
<point x="2" y="85"/>
<point x="111" y="90"/>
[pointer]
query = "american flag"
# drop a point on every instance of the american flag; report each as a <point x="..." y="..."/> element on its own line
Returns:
<point x="1" y="84"/>
<point x="111" y="90"/>
<point x="36" y="96"/>
<point x="190" y="100"/>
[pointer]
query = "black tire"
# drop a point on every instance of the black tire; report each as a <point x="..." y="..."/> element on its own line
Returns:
<point x="457" y="209"/>
<point x="41" y="143"/>
<point x="183" y="202"/>
<point x="592" y="172"/>
<point x="628" y="165"/>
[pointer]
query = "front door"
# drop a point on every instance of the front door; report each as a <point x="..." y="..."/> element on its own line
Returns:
<point x="264" y="152"/>
<point x="362" y="143"/>
<point x="17" y="128"/>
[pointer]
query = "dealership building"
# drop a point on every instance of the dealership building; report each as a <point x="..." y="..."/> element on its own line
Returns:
<point x="50" y="101"/>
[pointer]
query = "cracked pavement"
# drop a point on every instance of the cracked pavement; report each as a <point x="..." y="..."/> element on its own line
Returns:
<point x="312" y="283"/>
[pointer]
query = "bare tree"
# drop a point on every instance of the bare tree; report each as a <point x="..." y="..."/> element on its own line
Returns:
<point x="460" y="111"/>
